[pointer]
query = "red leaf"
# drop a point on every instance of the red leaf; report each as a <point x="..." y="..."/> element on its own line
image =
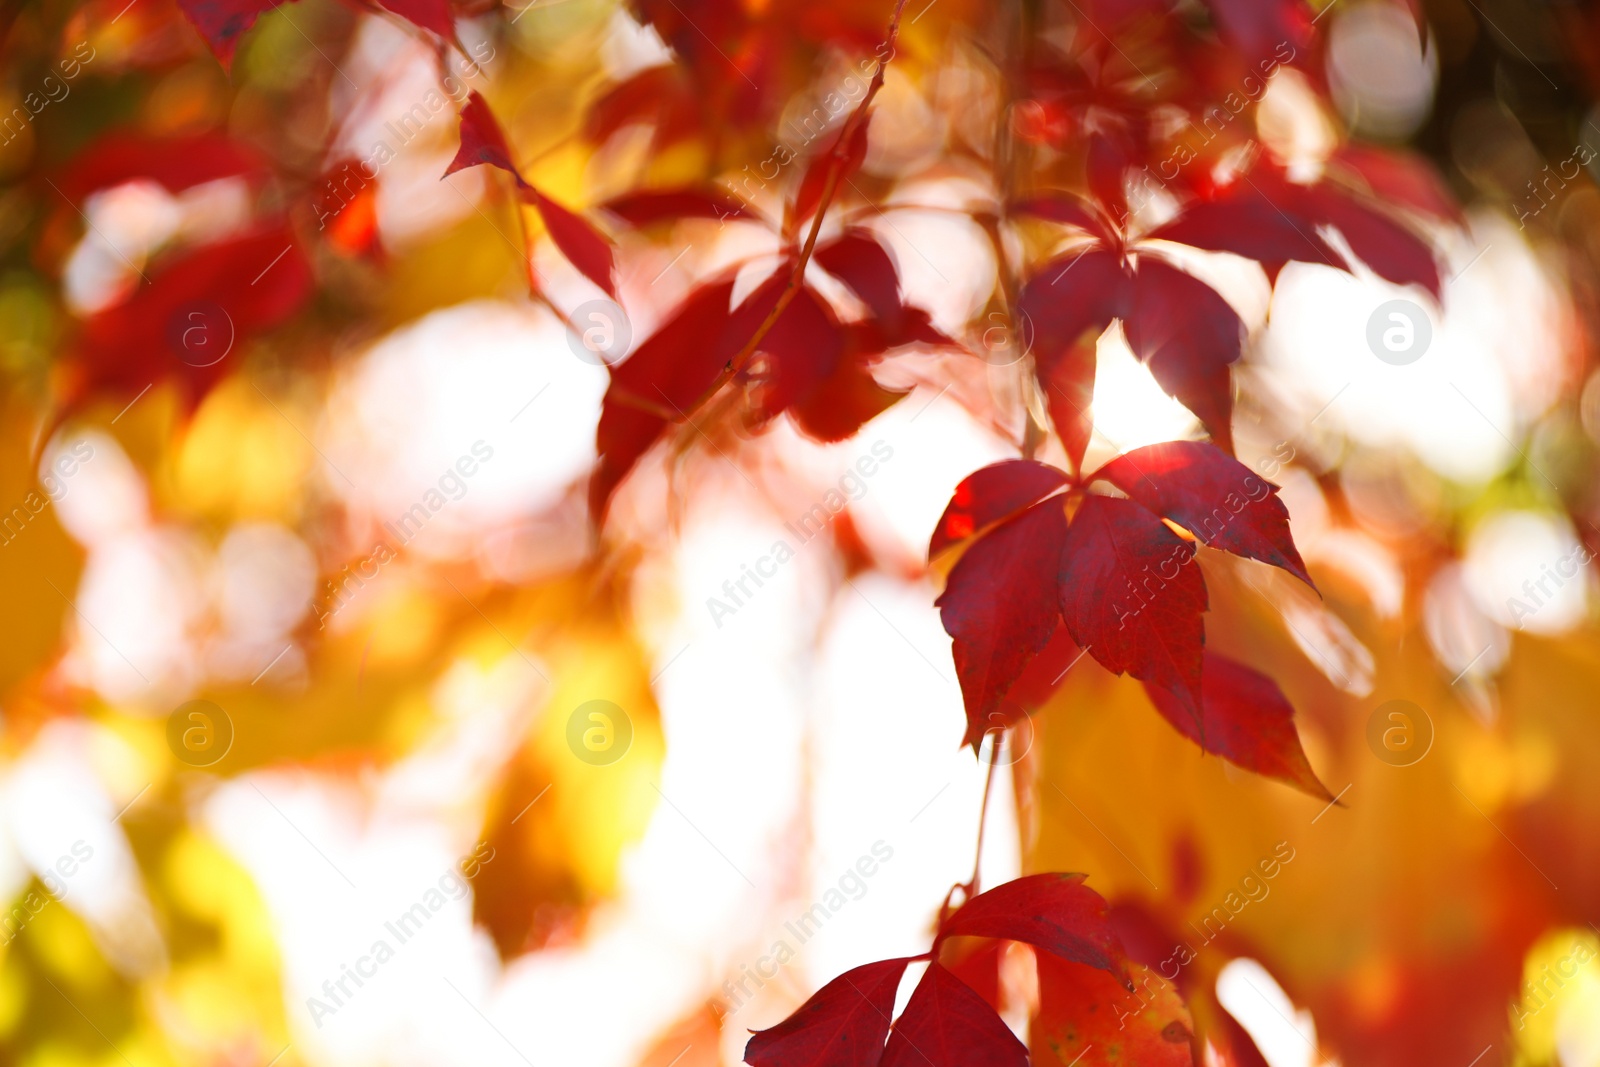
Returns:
<point x="431" y="15"/>
<point x="999" y="609"/>
<point x="843" y="402"/>
<point x="1064" y="309"/>
<point x="176" y="163"/>
<point x="856" y="258"/>
<point x="1247" y="224"/>
<point x="1269" y="218"/>
<point x="584" y="246"/>
<point x="222" y="22"/>
<point x="1188" y="335"/>
<point x="482" y="141"/>
<point x="991" y="494"/>
<point x="1392" y="251"/>
<point x="1398" y="177"/>
<point x="1068" y="385"/>
<point x="803" y="348"/>
<point x="1107" y="162"/>
<point x="842" y="1025"/>
<point x="1132" y="596"/>
<point x="946" y="1024"/>
<point x="1085" y="1018"/>
<point x="1259" y="29"/>
<point x="194" y="312"/>
<point x="1212" y="495"/>
<point x="1248" y="722"/>
<point x="650" y="206"/>
<point x="667" y="371"/>
<point x="1055" y="912"/>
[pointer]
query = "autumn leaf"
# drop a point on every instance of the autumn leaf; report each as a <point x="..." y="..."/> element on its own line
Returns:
<point x="991" y="494"/>
<point x="1188" y="335"/>
<point x="1000" y="609"/>
<point x="1213" y="496"/>
<point x="1087" y="1018"/>
<point x="1247" y="721"/>
<point x="1055" y="912"/>
<point x="946" y="1024"/>
<point x="842" y="1025"/>
<point x="1131" y="595"/>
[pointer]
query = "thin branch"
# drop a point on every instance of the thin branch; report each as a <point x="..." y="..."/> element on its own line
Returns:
<point x="830" y="186"/>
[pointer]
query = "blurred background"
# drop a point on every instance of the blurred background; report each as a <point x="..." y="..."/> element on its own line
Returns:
<point x="332" y="732"/>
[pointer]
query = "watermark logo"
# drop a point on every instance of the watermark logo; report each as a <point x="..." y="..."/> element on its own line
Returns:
<point x="601" y="332"/>
<point x="1006" y="343"/>
<point x="199" y="733"/>
<point x="1399" y="733"/>
<point x="1399" y="332"/>
<point x="599" y="732"/>
<point x="200" y="333"/>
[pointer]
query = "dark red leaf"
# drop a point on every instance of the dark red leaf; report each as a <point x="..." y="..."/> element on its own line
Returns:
<point x="223" y="22"/>
<point x="660" y="98"/>
<point x="1086" y="1019"/>
<point x="176" y="163"/>
<point x="1107" y="163"/>
<point x="946" y="1024"/>
<point x="1392" y="251"/>
<point x="803" y="348"/>
<point x="1399" y="177"/>
<point x="993" y="493"/>
<point x="1268" y="218"/>
<point x="195" y="311"/>
<point x="1188" y="335"/>
<point x="842" y="1025"/>
<point x="1132" y="595"/>
<point x="843" y="402"/>
<point x="999" y="609"/>
<point x="1212" y="495"/>
<point x="585" y="247"/>
<point x="1248" y="224"/>
<point x="1248" y="722"/>
<point x="482" y="141"/>
<point x="1063" y="310"/>
<point x="668" y="371"/>
<point x="1055" y="912"/>
<point x="650" y="206"/>
<point x="856" y="258"/>
<point x="1263" y="29"/>
<point x="1068" y="385"/>
<point x="433" y="15"/>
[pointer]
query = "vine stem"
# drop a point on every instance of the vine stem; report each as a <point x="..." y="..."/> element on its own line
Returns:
<point x="983" y="811"/>
<point x="830" y="187"/>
